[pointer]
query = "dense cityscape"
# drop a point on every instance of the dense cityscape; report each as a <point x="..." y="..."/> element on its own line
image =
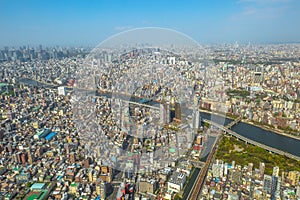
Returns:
<point x="149" y="138"/>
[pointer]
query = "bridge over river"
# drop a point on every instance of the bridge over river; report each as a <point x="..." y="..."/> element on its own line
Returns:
<point x="230" y="132"/>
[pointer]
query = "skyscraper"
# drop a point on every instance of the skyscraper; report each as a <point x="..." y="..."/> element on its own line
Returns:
<point x="274" y="184"/>
<point x="164" y="113"/>
<point x="275" y="171"/>
<point x="196" y="114"/>
<point x="262" y="170"/>
<point x="177" y="111"/>
<point x="267" y="184"/>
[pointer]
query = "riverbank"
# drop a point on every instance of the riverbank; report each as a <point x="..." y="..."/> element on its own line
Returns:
<point x="264" y="127"/>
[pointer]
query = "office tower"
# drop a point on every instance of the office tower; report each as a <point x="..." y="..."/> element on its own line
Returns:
<point x="262" y="170"/>
<point x="196" y="120"/>
<point x="274" y="184"/>
<point x="274" y="187"/>
<point x="275" y="171"/>
<point x="267" y="183"/>
<point x="164" y="113"/>
<point x="177" y="111"/>
<point x="172" y="109"/>
<point x="196" y="114"/>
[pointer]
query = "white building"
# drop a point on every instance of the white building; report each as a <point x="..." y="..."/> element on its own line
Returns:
<point x="61" y="90"/>
<point x="176" y="182"/>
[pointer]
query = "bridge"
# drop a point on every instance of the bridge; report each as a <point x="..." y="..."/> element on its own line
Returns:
<point x="141" y="104"/>
<point x="197" y="164"/>
<point x="234" y="122"/>
<point x="271" y="149"/>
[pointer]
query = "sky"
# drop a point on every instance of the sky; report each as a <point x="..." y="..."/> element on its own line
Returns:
<point x="88" y="22"/>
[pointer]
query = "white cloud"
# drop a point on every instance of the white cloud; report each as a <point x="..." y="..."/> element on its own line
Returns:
<point x="261" y="9"/>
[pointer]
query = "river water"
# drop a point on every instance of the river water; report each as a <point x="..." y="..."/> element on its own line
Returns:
<point x="260" y="135"/>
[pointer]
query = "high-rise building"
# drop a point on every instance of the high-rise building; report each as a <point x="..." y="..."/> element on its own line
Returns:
<point x="177" y="111"/>
<point x="196" y="123"/>
<point x="196" y="120"/>
<point x="164" y="113"/>
<point x="274" y="187"/>
<point x="275" y="171"/>
<point x="274" y="184"/>
<point x="262" y="170"/>
<point x="267" y="184"/>
<point x="294" y="177"/>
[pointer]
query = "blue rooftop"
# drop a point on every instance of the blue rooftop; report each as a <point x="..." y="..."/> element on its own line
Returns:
<point x="37" y="186"/>
<point x="50" y="136"/>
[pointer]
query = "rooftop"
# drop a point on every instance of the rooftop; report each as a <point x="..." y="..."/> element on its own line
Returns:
<point x="37" y="186"/>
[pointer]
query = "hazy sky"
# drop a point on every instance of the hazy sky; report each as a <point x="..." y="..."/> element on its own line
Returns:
<point x="88" y="22"/>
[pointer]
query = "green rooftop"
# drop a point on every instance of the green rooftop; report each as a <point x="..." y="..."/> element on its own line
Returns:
<point x="172" y="150"/>
<point x="3" y="84"/>
<point x="74" y="185"/>
<point x="37" y="196"/>
<point x="36" y="108"/>
<point x="17" y="168"/>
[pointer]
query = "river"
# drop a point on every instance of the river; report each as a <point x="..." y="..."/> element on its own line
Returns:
<point x="257" y="134"/>
<point x="260" y="135"/>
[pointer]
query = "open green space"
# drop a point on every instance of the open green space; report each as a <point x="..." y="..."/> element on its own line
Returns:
<point x="241" y="93"/>
<point x="231" y="149"/>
